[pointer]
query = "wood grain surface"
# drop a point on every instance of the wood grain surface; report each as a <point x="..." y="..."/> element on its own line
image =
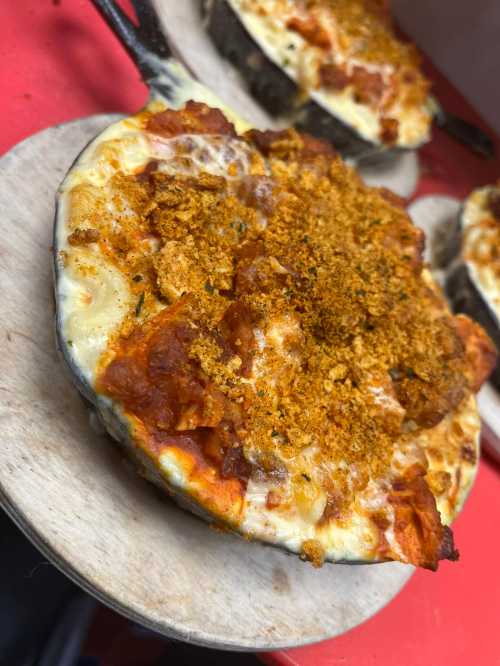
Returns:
<point x="80" y="503"/>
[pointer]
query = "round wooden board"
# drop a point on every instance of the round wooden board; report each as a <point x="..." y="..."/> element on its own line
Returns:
<point x="80" y="503"/>
<point x="183" y="25"/>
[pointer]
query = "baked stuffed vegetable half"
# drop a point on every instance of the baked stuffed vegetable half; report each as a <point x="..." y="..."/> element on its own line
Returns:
<point x="334" y="67"/>
<point x="473" y="282"/>
<point x="257" y="329"/>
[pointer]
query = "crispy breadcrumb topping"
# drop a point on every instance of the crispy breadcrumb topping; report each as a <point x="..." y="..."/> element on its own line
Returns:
<point x="302" y="308"/>
<point x="366" y="30"/>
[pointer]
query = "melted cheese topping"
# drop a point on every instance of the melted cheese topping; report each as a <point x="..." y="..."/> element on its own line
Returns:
<point x="94" y="295"/>
<point x="404" y="90"/>
<point x="96" y="302"/>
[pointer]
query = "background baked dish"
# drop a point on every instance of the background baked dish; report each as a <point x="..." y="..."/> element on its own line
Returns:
<point x="334" y="68"/>
<point x="257" y="328"/>
<point x="473" y="283"/>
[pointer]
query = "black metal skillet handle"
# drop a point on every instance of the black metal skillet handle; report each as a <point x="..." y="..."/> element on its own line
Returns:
<point x="469" y="135"/>
<point x="149" y="28"/>
<point x="146" y="43"/>
<point x="466" y="133"/>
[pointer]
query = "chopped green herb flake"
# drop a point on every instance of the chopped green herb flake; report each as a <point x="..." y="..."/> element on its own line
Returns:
<point x="242" y="226"/>
<point x="209" y="288"/>
<point x="275" y="433"/>
<point x="361" y="272"/>
<point x="261" y="393"/>
<point x="70" y="343"/>
<point x="410" y="373"/>
<point x="395" y="374"/>
<point x="139" y="305"/>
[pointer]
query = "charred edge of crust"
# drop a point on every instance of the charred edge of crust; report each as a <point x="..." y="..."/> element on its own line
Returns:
<point x="272" y="88"/>
<point x="448" y="550"/>
<point x="466" y="298"/>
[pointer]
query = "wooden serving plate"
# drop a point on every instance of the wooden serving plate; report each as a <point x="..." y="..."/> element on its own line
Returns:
<point x="89" y="513"/>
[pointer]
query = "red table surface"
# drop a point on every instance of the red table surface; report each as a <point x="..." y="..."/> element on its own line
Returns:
<point x="59" y="62"/>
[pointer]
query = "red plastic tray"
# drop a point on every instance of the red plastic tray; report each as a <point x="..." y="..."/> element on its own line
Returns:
<point x="59" y="62"/>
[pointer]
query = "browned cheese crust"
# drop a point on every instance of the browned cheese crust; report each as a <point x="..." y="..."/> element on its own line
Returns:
<point x="365" y="352"/>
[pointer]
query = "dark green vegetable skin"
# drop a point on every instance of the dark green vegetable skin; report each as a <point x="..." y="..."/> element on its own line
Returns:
<point x="276" y="92"/>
